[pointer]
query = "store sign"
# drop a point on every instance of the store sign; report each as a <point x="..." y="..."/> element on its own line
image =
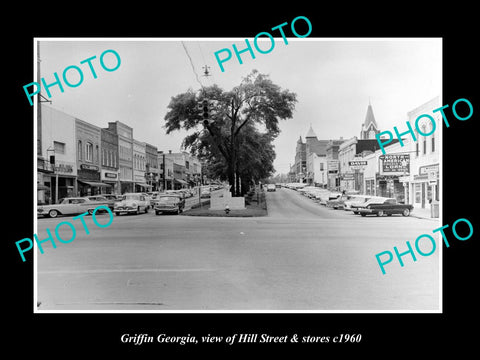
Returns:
<point x="110" y="175"/>
<point x="357" y="163"/>
<point x="348" y="176"/>
<point x="63" y="168"/>
<point x="89" y="167"/>
<point x="332" y="166"/>
<point x="422" y="170"/>
<point x="395" y="164"/>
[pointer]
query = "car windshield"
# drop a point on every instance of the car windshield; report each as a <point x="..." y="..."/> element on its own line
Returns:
<point x="167" y="199"/>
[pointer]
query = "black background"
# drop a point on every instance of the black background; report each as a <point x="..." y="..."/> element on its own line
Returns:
<point x="385" y="335"/>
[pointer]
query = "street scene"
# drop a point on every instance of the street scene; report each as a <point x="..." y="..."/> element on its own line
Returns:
<point x="302" y="256"/>
<point x="259" y="188"/>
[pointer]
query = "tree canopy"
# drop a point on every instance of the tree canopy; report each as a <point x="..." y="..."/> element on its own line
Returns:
<point x="230" y="141"/>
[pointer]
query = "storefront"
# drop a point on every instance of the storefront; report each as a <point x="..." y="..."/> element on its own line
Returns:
<point x="110" y="178"/>
<point x="89" y="182"/>
<point x="425" y="185"/>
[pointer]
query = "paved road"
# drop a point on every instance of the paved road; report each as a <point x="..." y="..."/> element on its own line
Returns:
<point x="302" y="256"/>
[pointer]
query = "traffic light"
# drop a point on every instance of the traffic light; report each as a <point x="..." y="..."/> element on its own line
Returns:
<point x="205" y="109"/>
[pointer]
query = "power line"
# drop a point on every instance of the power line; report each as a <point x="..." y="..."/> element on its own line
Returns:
<point x="191" y="63"/>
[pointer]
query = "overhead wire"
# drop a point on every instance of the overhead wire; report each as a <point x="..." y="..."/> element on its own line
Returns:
<point x="191" y="63"/>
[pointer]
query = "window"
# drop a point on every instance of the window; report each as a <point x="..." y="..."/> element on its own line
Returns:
<point x="321" y="167"/>
<point x="59" y="147"/>
<point x="97" y="154"/>
<point x="433" y="143"/>
<point x="416" y="149"/>
<point x="80" y="152"/>
<point x="89" y="152"/>
<point x="424" y="145"/>
<point x="103" y="157"/>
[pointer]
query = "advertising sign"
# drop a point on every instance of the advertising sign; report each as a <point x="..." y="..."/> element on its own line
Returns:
<point x="395" y="164"/>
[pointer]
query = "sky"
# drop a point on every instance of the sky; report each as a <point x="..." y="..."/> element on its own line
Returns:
<point x="335" y="79"/>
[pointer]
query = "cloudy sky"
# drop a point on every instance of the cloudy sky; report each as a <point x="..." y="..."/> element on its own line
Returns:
<point x="334" y="80"/>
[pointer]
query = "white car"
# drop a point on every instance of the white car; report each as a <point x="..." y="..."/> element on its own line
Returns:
<point x="68" y="206"/>
<point x="271" y="187"/>
<point x="131" y="203"/>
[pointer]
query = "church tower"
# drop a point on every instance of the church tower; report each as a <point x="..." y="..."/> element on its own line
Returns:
<point x="369" y="126"/>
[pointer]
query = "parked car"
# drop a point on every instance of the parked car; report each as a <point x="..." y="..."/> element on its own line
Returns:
<point x="388" y="206"/>
<point x="169" y="204"/>
<point x="205" y="192"/>
<point x="131" y="203"/>
<point x="339" y="203"/>
<point x="104" y="199"/>
<point x="271" y="187"/>
<point x="355" y="207"/>
<point x="68" y="206"/>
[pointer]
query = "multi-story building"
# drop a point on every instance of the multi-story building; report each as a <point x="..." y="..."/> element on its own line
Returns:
<point x="423" y="183"/>
<point x="139" y="166"/>
<point x="350" y="154"/>
<point x="151" y="166"/>
<point x="88" y="144"/>
<point x="56" y="158"/>
<point x="165" y="164"/>
<point x="109" y="173"/>
<point x="125" y="154"/>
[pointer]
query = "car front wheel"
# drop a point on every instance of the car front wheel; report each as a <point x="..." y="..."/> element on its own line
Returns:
<point x="380" y="213"/>
<point x="406" y="212"/>
<point x="53" y="213"/>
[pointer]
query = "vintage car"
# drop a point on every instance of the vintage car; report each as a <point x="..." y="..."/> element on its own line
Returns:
<point x="105" y="199"/>
<point x="131" y="203"/>
<point x="355" y="200"/>
<point x="385" y="206"/>
<point x="271" y="187"/>
<point x="169" y="203"/>
<point x="68" y="206"/>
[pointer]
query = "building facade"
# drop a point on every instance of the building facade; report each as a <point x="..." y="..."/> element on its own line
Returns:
<point x="151" y="167"/>
<point x="88" y="146"/>
<point x="139" y="166"/>
<point x="423" y="183"/>
<point x="125" y="154"/>
<point x="56" y="160"/>
<point x="109" y="173"/>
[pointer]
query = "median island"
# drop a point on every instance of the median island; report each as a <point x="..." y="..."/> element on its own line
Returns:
<point x="255" y="205"/>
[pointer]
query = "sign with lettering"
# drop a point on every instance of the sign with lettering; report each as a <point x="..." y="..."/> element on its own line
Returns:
<point x="395" y="164"/>
<point x="89" y="167"/>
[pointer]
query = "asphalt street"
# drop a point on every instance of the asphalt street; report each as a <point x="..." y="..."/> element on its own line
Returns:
<point x="302" y="256"/>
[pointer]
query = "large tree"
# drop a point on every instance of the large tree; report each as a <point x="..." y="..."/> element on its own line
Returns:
<point x="257" y="102"/>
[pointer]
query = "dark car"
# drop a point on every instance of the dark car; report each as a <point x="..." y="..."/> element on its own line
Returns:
<point x="169" y="204"/>
<point x="388" y="206"/>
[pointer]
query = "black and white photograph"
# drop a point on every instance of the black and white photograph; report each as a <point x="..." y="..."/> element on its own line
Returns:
<point x="215" y="178"/>
<point x="238" y="175"/>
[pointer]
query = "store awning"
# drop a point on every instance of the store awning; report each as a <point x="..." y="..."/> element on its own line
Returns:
<point x="92" y="183"/>
<point x="180" y="181"/>
<point x="42" y="187"/>
<point x="143" y="185"/>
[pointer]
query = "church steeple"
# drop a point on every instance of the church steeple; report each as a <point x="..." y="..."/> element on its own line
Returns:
<point x="369" y="126"/>
<point x="311" y="133"/>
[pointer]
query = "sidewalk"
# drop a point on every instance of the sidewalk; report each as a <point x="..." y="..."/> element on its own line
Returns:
<point x="425" y="213"/>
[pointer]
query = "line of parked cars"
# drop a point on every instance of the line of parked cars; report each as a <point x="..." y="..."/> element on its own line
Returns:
<point x="359" y="204"/>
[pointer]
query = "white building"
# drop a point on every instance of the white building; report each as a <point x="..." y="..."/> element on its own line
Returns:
<point x="56" y="165"/>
